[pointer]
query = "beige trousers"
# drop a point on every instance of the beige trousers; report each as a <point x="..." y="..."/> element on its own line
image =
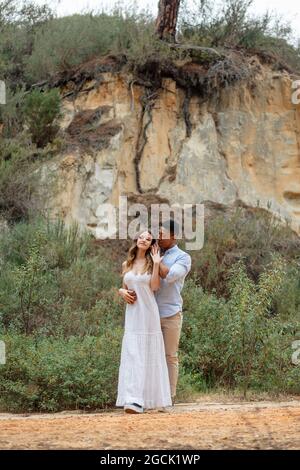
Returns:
<point x="171" y="329"/>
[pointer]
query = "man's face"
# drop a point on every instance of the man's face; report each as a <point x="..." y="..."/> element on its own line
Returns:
<point x="165" y="239"/>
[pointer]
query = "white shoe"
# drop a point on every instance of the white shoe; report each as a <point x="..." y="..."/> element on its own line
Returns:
<point x="133" y="408"/>
<point x="166" y="409"/>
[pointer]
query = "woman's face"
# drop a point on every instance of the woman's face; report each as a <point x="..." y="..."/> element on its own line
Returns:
<point x="144" y="241"/>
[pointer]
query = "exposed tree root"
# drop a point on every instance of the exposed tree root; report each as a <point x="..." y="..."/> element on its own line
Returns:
<point x="148" y="100"/>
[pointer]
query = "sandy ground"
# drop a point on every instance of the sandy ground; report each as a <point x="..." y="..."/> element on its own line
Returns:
<point x="200" y="425"/>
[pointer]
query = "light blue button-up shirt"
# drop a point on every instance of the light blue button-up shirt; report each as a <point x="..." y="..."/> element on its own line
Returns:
<point x="168" y="296"/>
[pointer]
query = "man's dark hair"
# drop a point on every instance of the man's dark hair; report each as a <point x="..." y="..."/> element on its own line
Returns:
<point x="171" y="225"/>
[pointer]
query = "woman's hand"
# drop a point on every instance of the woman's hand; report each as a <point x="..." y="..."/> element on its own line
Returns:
<point x="156" y="258"/>
<point x="155" y="254"/>
<point x="125" y="294"/>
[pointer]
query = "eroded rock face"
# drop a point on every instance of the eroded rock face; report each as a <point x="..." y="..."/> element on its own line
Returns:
<point x="123" y="140"/>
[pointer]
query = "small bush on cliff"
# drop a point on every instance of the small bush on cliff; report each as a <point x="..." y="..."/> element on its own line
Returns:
<point x="11" y="115"/>
<point x="17" y="177"/>
<point x="230" y="24"/>
<point x="40" y="112"/>
<point x="58" y="44"/>
<point x="63" y="43"/>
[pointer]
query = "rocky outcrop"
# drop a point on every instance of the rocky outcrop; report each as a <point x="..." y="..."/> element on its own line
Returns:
<point x="123" y="137"/>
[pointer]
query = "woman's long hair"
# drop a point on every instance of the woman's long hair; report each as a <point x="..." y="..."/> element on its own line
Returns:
<point x="132" y="255"/>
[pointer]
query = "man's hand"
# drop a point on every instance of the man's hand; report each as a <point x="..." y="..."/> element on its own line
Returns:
<point x="124" y="293"/>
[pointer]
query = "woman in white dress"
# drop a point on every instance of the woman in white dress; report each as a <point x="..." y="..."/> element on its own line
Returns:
<point x="143" y="373"/>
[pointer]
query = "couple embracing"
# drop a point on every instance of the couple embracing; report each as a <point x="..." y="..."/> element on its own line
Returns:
<point x="153" y="277"/>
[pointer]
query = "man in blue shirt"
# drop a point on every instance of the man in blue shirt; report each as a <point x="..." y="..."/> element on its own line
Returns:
<point x="173" y="269"/>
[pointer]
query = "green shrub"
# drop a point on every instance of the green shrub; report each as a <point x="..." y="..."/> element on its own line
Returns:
<point x="83" y="281"/>
<point x="203" y="340"/>
<point x="137" y="41"/>
<point x="40" y="112"/>
<point x="230" y="24"/>
<point x="240" y="342"/>
<point x="60" y="244"/>
<point x="48" y="282"/>
<point x="107" y="313"/>
<point x="17" y="178"/>
<point x="52" y="374"/>
<point x="63" y="43"/>
<point x="287" y="300"/>
<point x="252" y="235"/>
<point x="19" y="22"/>
<point x="11" y="115"/>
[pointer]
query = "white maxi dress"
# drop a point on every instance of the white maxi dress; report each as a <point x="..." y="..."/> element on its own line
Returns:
<point x="143" y="371"/>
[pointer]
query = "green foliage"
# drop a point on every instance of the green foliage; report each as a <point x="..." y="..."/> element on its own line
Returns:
<point x="35" y="44"/>
<point x="32" y="283"/>
<point x="50" y="285"/>
<point x="11" y="115"/>
<point x="250" y="235"/>
<point x="287" y="300"/>
<point x="62" y="321"/>
<point x="63" y="245"/>
<point x="230" y="24"/>
<point x="19" y="23"/>
<point x="249" y="328"/>
<point x="17" y="177"/>
<point x="63" y="43"/>
<point x="137" y="41"/>
<point x="240" y="342"/>
<point x="40" y="112"/>
<point x="51" y="374"/>
<point x="29" y="128"/>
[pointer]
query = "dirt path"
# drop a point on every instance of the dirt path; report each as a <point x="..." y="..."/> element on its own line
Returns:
<point x="259" y="425"/>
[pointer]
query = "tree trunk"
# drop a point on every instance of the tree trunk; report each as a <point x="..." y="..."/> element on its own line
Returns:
<point x="166" y="21"/>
